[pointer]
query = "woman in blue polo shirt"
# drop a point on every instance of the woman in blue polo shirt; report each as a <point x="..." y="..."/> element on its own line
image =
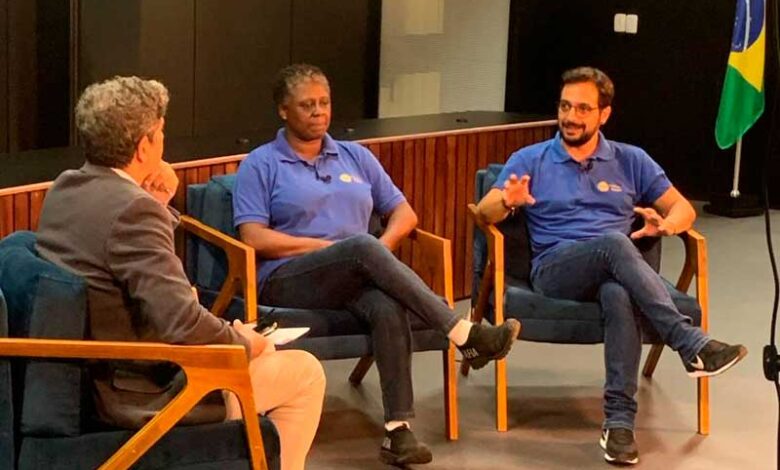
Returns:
<point x="303" y="201"/>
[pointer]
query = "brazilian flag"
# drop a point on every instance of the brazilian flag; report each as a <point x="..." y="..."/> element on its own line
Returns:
<point x="742" y="100"/>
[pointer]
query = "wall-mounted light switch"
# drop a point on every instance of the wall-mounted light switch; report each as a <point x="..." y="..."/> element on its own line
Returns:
<point x="620" y="22"/>
<point x="632" y="24"/>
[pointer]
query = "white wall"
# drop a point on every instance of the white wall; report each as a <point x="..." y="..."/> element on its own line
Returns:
<point x="442" y="55"/>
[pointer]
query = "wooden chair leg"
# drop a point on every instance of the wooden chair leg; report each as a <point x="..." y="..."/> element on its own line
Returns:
<point x="704" y="405"/>
<point x="501" y="399"/>
<point x="652" y="360"/>
<point x="450" y="393"/>
<point x="360" y="370"/>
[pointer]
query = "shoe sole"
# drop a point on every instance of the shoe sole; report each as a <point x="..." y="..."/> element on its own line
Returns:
<point x="483" y="361"/>
<point x="419" y="457"/>
<point x="615" y="460"/>
<point x="703" y="373"/>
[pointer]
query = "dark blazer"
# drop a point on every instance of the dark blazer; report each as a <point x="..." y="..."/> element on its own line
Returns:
<point x="108" y="230"/>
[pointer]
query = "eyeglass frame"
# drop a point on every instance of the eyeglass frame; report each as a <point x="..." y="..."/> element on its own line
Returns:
<point x="580" y="109"/>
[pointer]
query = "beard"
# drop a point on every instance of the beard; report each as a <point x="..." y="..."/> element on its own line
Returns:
<point x="580" y="140"/>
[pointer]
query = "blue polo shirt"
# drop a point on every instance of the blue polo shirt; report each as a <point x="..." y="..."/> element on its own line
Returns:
<point x="576" y="201"/>
<point x="331" y="197"/>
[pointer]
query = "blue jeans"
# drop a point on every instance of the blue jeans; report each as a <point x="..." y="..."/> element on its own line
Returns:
<point x="362" y="276"/>
<point x="610" y="270"/>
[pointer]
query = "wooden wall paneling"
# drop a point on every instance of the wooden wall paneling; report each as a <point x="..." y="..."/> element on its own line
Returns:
<point x="440" y="191"/>
<point x="501" y="144"/>
<point x="22" y="211"/>
<point x="472" y="165"/>
<point x="231" y="167"/>
<point x="418" y="195"/>
<point x="408" y="190"/>
<point x="217" y="170"/>
<point x="6" y="215"/>
<point x="461" y="199"/>
<point x="36" y="203"/>
<point x="451" y="187"/>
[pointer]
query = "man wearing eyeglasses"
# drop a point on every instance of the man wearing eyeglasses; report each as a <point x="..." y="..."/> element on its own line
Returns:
<point x="580" y="193"/>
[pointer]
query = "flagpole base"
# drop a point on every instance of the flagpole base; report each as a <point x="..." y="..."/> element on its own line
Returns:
<point x="744" y="205"/>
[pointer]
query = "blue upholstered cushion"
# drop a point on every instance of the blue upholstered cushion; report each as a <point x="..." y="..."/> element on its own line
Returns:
<point x="547" y="319"/>
<point x="7" y="443"/>
<point x="44" y="301"/>
<point x="214" y="446"/>
<point x="211" y="203"/>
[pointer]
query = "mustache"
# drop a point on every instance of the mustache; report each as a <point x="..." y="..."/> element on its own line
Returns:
<point x="572" y="125"/>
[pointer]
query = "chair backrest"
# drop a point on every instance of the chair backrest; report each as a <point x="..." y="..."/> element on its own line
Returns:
<point x="44" y="301"/>
<point x="212" y="204"/>
<point x="517" y="244"/>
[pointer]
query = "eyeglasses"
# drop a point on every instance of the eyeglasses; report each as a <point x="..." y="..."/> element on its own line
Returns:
<point x="580" y="109"/>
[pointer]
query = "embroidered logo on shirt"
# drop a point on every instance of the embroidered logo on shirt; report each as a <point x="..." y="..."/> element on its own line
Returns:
<point x="603" y="186"/>
<point x="345" y="177"/>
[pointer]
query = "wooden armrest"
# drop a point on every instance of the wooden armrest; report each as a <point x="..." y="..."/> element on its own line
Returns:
<point x="695" y="264"/>
<point x="493" y="277"/>
<point x="208" y="368"/>
<point x="436" y="256"/>
<point x="242" y="267"/>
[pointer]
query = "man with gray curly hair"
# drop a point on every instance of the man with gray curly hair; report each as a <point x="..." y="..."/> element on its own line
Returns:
<point x="109" y="222"/>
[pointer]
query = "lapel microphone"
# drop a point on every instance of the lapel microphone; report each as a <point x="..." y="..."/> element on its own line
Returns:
<point x="586" y="166"/>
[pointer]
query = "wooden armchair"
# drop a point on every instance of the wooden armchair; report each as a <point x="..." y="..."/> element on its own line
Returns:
<point x="48" y="398"/>
<point x="502" y="289"/>
<point x="222" y="267"/>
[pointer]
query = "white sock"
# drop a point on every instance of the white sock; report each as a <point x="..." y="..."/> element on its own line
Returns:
<point x="459" y="333"/>
<point x="391" y="425"/>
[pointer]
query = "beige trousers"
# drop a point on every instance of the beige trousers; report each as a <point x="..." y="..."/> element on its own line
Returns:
<point x="289" y="387"/>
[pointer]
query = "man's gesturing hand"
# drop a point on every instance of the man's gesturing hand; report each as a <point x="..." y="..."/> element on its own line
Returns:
<point x="655" y="225"/>
<point x="516" y="192"/>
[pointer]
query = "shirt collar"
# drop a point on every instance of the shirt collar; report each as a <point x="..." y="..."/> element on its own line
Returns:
<point x="287" y="154"/>
<point x="604" y="150"/>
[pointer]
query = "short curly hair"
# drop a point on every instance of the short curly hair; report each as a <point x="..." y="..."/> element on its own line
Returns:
<point x="595" y="76"/>
<point x="113" y="115"/>
<point x="287" y="78"/>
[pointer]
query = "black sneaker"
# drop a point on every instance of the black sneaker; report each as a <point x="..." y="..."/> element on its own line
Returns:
<point x="400" y="448"/>
<point x="486" y="343"/>
<point x="715" y="358"/>
<point x="619" y="446"/>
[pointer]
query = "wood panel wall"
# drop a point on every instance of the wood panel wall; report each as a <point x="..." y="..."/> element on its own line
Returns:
<point x="434" y="171"/>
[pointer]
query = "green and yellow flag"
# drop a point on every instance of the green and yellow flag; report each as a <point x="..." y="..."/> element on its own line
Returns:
<point x="742" y="100"/>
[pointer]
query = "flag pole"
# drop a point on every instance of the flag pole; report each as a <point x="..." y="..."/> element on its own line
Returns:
<point x="737" y="162"/>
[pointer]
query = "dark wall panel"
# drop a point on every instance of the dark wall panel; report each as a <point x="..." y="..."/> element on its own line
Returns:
<point x="237" y="52"/>
<point x="342" y="37"/>
<point x="3" y="75"/>
<point x="151" y="38"/>
<point x="668" y="78"/>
